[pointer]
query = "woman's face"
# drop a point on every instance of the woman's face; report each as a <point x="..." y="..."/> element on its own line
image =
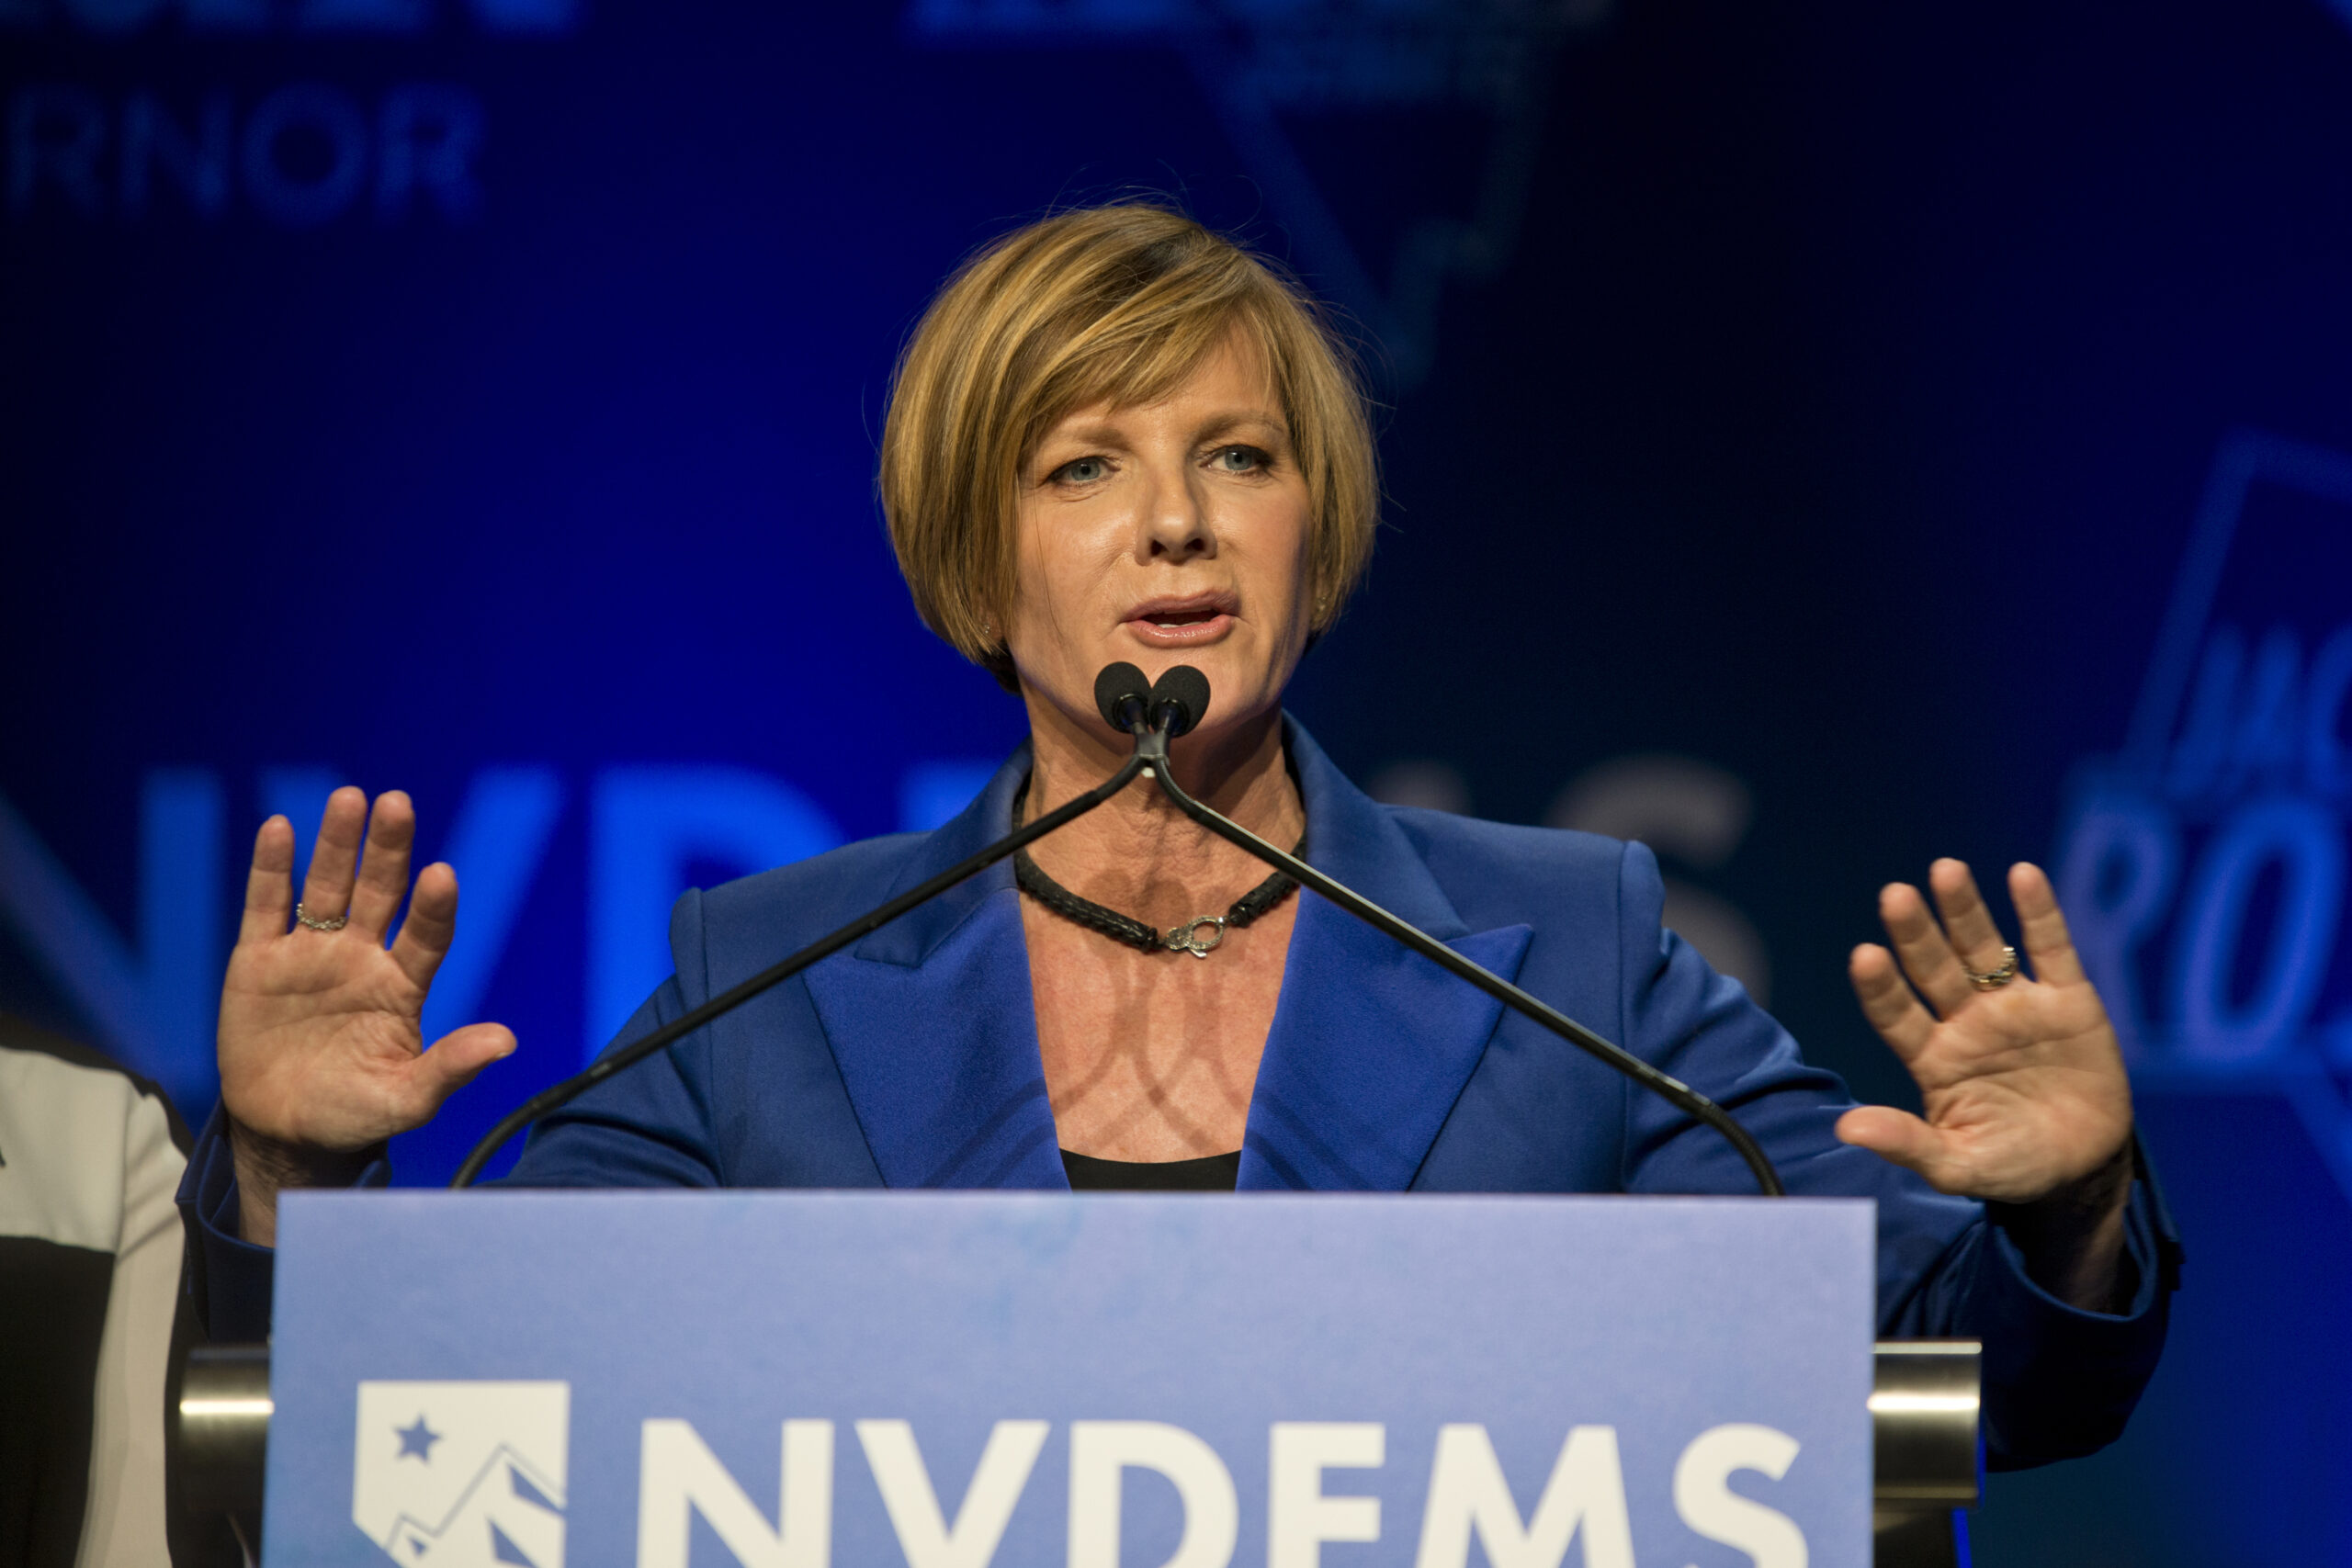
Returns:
<point x="1164" y="533"/>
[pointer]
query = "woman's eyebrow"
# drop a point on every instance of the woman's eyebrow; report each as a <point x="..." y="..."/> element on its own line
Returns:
<point x="1099" y="433"/>
<point x="1240" y="419"/>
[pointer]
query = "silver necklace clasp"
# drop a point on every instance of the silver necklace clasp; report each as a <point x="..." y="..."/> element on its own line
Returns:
<point x="1187" y="938"/>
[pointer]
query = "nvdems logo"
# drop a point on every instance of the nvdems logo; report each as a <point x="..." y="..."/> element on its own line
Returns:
<point x="473" y="1474"/>
<point x="2203" y="870"/>
<point x="462" y="1474"/>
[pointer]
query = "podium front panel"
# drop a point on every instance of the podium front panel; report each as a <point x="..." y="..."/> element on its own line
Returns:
<point x="960" y="1379"/>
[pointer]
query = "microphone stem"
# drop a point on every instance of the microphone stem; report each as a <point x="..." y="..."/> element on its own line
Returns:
<point x="1152" y="751"/>
<point x="677" y="1029"/>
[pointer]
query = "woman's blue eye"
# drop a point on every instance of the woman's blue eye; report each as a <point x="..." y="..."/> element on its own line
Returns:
<point x="1082" y="470"/>
<point x="1239" y="459"/>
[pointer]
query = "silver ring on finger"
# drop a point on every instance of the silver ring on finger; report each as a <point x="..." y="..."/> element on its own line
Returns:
<point x="1995" y="978"/>
<point x="306" y="917"/>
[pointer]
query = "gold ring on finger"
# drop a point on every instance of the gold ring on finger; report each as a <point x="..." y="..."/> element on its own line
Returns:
<point x="1994" y="979"/>
<point x="343" y="919"/>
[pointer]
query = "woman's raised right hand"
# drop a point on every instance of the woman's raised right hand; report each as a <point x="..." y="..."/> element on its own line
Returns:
<point x="323" y="1054"/>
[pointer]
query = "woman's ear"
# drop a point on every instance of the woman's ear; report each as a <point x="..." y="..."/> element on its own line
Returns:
<point x="996" y="657"/>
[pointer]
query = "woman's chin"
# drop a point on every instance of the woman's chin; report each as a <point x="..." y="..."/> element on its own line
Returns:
<point x="1242" y="688"/>
<point x="1239" y="681"/>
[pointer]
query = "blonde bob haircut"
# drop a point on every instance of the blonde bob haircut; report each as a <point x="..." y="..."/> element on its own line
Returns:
<point x="1116" y="305"/>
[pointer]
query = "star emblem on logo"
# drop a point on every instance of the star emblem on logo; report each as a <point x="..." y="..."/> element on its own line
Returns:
<point x="417" y="1439"/>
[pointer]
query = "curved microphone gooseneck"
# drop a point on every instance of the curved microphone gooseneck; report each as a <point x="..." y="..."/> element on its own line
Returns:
<point x="1119" y="693"/>
<point x="1181" y="700"/>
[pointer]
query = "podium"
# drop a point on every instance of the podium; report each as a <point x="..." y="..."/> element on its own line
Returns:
<point x="963" y="1380"/>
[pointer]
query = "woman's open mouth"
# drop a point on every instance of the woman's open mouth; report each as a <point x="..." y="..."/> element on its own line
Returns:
<point x="1182" y="622"/>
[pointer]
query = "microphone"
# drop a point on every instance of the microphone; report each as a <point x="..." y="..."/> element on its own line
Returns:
<point x="1122" y="696"/>
<point x="1179" y="700"/>
<point x="1120" y="691"/>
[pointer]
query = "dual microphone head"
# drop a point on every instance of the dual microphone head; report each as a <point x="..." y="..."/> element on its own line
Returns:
<point x="1174" y="703"/>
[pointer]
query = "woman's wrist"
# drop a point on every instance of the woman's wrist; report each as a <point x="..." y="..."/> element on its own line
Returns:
<point x="2071" y="1238"/>
<point x="266" y="1167"/>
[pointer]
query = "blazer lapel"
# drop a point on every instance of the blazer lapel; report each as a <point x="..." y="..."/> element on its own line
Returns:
<point x="1371" y="1044"/>
<point x="932" y="1024"/>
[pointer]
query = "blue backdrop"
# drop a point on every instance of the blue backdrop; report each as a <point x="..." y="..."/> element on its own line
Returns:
<point x="1865" y="432"/>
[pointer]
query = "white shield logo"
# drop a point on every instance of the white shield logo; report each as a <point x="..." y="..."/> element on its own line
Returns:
<point x="462" y="1474"/>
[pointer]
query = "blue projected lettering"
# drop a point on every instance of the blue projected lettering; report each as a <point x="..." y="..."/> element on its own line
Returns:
<point x="2306" y="845"/>
<point x="323" y="116"/>
<point x="304" y="155"/>
<point x="55" y="135"/>
<point x="2256" y="773"/>
<point x="230" y="16"/>
<point x="299" y="794"/>
<point x="2116" y="878"/>
<point x="651" y="826"/>
<point x="499" y="839"/>
<point x="194" y="157"/>
<point x="935" y="793"/>
<point x="650" y="831"/>
<point x="393" y="17"/>
<point x="431" y="134"/>
<point x="155" y="1003"/>
<point x="2203" y="871"/>
<point x="363" y="15"/>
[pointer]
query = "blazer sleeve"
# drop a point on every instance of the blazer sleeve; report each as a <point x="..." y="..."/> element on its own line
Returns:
<point x="227" y="1280"/>
<point x="2059" y="1382"/>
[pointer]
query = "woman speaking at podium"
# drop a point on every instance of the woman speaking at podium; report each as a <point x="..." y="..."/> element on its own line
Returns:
<point x="1117" y="436"/>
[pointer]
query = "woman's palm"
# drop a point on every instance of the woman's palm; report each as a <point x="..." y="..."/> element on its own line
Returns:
<point x="320" y="1040"/>
<point x="2022" y="1083"/>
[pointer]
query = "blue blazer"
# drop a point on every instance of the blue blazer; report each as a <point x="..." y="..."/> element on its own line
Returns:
<point x="912" y="1060"/>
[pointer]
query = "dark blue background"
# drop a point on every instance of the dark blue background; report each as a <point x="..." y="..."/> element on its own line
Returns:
<point x="1829" y="396"/>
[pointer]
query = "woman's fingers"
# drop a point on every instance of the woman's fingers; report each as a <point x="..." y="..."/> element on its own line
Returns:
<point x="431" y="925"/>
<point x="269" y="886"/>
<point x="454" y="1061"/>
<point x="1898" y="1136"/>
<point x="1919" y="942"/>
<point x="1887" y="1002"/>
<point x="2055" y="962"/>
<point x="1968" y="924"/>
<point x="326" y="889"/>
<point x="383" y="869"/>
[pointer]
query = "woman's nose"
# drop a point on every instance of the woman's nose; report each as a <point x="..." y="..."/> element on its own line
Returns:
<point x="1175" y="522"/>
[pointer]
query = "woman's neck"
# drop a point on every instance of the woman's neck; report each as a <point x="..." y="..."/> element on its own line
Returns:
<point x="1138" y="853"/>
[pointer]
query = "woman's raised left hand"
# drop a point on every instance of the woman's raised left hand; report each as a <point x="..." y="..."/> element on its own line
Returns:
<point x="2026" y="1103"/>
